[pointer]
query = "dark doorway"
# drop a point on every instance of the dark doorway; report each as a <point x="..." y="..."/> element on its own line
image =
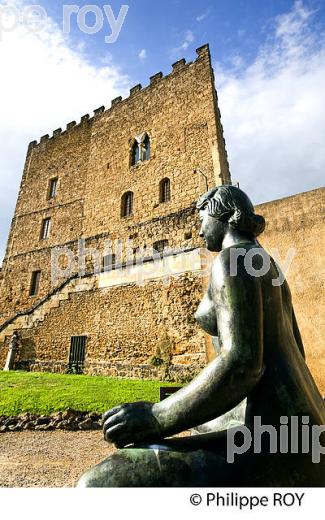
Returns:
<point x="77" y="354"/>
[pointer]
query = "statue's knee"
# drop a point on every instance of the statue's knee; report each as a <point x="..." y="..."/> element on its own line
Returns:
<point x="87" y="480"/>
<point x="107" y="473"/>
<point x="125" y="468"/>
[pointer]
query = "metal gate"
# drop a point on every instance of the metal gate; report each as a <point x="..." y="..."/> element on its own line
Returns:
<point x="77" y="354"/>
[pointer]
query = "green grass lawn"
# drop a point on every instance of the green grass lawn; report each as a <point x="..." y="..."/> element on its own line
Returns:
<point x="44" y="393"/>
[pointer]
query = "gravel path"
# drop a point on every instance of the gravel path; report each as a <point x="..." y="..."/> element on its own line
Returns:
<point x="49" y="459"/>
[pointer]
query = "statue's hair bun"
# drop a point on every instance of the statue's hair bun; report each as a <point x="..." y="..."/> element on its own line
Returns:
<point x="232" y="205"/>
<point x="247" y="222"/>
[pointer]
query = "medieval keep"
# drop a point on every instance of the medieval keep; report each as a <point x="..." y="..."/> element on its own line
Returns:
<point x="97" y="197"/>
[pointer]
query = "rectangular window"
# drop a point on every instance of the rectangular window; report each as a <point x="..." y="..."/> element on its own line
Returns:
<point x="45" y="231"/>
<point x="160" y="245"/>
<point x="52" y="188"/>
<point x="34" y="284"/>
<point x="109" y="262"/>
<point x="77" y="354"/>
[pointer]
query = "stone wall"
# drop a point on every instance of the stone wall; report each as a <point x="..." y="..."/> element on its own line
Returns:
<point x="126" y="326"/>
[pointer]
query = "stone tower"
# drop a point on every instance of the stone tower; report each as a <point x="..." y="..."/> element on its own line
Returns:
<point x="130" y="173"/>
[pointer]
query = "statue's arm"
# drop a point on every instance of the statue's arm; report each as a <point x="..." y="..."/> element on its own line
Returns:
<point x="228" y="379"/>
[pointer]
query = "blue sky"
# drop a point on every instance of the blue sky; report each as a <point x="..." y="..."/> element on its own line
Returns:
<point x="173" y="29"/>
<point x="269" y="60"/>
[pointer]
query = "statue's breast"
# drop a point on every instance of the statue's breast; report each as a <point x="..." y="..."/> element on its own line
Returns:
<point x="206" y="316"/>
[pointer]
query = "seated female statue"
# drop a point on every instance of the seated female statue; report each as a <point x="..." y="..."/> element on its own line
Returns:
<point x="261" y="359"/>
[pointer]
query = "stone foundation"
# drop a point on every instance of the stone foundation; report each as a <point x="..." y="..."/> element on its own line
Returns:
<point x="172" y="373"/>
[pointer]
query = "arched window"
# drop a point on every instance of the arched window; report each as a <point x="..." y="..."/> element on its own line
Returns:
<point x="146" y="148"/>
<point x="127" y="204"/>
<point x="141" y="149"/>
<point x="135" y="153"/>
<point x="164" y="190"/>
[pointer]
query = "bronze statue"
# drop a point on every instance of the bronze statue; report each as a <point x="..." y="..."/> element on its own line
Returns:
<point x="261" y="359"/>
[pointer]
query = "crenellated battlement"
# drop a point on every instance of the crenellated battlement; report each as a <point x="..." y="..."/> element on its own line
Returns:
<point x="135" y="89"/>
<point x="203" y="52"/>
<point x="99" y="111"/>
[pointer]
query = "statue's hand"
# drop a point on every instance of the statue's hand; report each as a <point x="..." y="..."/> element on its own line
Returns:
<point x="131" y="423"/>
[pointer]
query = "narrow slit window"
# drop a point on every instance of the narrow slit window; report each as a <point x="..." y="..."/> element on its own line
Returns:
<point x="35" y="283"/>
<point x="45" y="231"/>
<point x="53" y="188"/>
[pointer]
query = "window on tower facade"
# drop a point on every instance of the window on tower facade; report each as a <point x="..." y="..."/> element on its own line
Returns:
<point x="127" y="204"/>
<point x="135" y="153"/>
<point x="53" y="185"/>
<point x="45" y="230"/>
<point x="109" y="262"/>
<point x="34" y="283"/>
<point x="146" y="148"/>
<point x="160" y="246"/>
<point x="164" y="190"/>
<point x="141" y="149"/>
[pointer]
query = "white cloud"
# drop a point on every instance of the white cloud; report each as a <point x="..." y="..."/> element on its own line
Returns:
<point x="273" y="111"/>
<point x="237" y="61"/>
<point x="188" y="39"/>
<point x="203" y="16"/>
<point x="143" y="55"/>
<point x="44" y="85"/>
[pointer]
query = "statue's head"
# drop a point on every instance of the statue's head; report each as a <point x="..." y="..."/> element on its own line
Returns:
<point x="224" y="207"/>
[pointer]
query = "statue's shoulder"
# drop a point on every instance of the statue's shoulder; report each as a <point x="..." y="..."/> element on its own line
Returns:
<point x="230" y="263"/>
<point x="223" y="260"/>
<point x="220" y="268"/>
